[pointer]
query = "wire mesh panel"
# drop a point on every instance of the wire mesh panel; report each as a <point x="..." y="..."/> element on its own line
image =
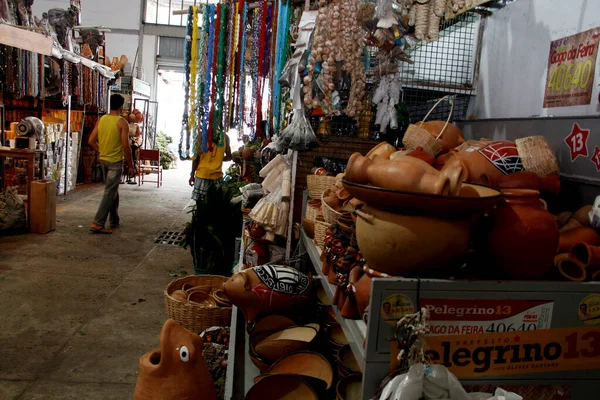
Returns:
<point x="446" y="66"/>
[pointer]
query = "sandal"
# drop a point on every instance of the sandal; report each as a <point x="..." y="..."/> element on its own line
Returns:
<point x="98" y="229"/>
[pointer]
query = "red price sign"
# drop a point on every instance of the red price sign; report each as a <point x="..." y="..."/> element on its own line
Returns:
<point x="577" y="142"/>
<point x="596" y="158"/>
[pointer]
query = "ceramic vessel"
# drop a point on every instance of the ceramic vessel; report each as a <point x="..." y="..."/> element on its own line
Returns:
<point x="570" y="268"/>
<point x="588" y="255"/>
<point x="422" y="155"/>
<point x="530" y="180"/>
<point x="582" y="215"/>
<point x="267" y="289"/>
<point x="309" y="227"/>
<point x="281" y="343"/>
<point x="523" y="236"/>
<point x="581" y="234"/>
<point x="383" y="149"/>
<point x="452" y="136"/>
<point x="347" y="364"/>
<point x="402" y="245"/>
<point x="281" y="387"/>
<point x="175" y="371"/>
<point x="394" y="175"/>
<point x="358" y="293"/>
<point x="486" y="162"/>
<point x="455" y="172"/>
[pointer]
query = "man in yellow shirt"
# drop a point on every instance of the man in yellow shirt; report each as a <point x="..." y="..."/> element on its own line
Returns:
<point x="110" y="138"/>
<point x="207" y="169"/>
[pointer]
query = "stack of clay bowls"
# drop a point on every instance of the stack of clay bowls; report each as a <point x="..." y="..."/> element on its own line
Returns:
<point x="274" y="336"/>
<point x="299" y="375"/>
<point x="200" y="295"/>
<point x="346" y="363"/>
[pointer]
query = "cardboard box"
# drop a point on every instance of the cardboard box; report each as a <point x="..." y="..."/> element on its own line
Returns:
<point x="43" y="206"/>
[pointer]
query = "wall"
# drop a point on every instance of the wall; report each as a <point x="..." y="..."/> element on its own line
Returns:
<point x="514" y="58"/>
<point x="124" y="21"/>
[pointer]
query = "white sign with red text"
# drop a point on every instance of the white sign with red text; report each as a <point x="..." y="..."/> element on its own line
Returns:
<point x="476" y="316"/>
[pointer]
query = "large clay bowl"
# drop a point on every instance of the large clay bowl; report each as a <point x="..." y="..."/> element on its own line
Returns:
<point x="271" y="323"/>
<point x="402" y="245"/>
<point x="473" y="199"/>
<point x="304" y="363"/>
<point x="350" y="388"/>
<point x="281" y="387"/>
<point x="287" y="341"/>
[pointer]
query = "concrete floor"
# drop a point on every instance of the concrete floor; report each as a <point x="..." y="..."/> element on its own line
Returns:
<point x="77" y="310"/>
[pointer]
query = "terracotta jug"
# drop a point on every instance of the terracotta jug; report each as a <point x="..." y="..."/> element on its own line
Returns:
<point x="175" y="371"/>
<point x="267" y="289"/>
<point x="455" y="172"/>
<point x="406" y="245"/>
<point x="360" y="279"/>
<point x="452" y="136"/>
<point x="487" y="162"/>
<point x="588" y="255"/>
<point x="582" y="215"/>
<point x="523" y="238"/>
<point x="356" y="169"/>
<point x="383" y="149"/>
<point x="581" y="234"/>
<point x="422" y="155"/>
<point x="530" y="180"/>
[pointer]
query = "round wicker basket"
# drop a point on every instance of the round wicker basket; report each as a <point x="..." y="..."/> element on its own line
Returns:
<point x="195" y="317"/>
<point x="416" y="136"/>
<point x="317" y="184"/>
<point x="329" y="214"/>
<point x="313" y="209"/>
<point x="321" y="228"/>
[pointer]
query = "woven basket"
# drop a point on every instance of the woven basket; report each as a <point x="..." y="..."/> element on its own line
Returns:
<point x="312" y="212"/>
<point x="537" y="156"/>
<point x="193" y="316"/>
<point x="321" y="228"/>
<point x="416" y="136"/>
<point x="317" y="184"/>
<point x="329" y="214"/>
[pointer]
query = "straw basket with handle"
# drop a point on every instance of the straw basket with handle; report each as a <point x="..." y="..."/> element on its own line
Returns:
<point x="194" y="316"/>
<point x="329" y="214"/>
<point x="417" y="136"/>
<point x="537" y="156"/>
<point x="317" y="184"/>
<point x="321" y="228"/>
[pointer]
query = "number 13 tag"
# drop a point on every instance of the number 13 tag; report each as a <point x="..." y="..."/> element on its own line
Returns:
<point x="577" y="142"/>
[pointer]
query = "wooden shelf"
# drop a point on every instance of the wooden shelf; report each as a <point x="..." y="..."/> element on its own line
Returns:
<point x="355" y="330"/>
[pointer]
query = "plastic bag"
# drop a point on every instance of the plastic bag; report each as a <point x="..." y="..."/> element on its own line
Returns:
<point x="411" y="387"/>
<point x="12" y="210"/>
<point x="442" y="384"/>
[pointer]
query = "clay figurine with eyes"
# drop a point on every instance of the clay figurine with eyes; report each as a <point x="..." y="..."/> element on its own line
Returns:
<point x="176" y="371"/>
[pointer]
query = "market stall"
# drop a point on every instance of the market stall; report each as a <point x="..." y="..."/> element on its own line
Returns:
<point x="388" y="250"/>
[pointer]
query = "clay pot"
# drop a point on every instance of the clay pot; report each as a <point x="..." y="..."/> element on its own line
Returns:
<point x="281" y="387"/>
<point x="349" y="388"/>
<point x="180" y="295"/>
<point x="271" y="323"/>
<point x="281" y="343"/>
<point x="588" y="255"/>
<point x="571" y="224"/>
<point x="402" y="245"/>
<point x="563" y="218"/>
<point x="582" y="234"/>
<point x="486" y="162"/>
<point x="175" y="371"/>
<point x="523" y="238"/>
<point x="304" y="363"/>
<point x="422" y="155"/>
<point x="248" y="152"/>
<point x="220" y="298"/>
<point x="530" y="180"/>
<point x="202" y="298"/>
<point x="452" y="136"/>
<point x="569" y="268"/>
<point x="383" y="149"/>
<point x="360" y="278"/>
<point x="267" y="289"/>
<point x="582" y="215"/>
<point x="309" y="227"/>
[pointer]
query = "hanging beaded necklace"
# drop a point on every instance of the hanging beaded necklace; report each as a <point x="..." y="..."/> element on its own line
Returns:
<point x="206" y="137"/>
<point x="219" y="135"/>
<point x="185" y="131"/>
<point x="260" y="68"/>
<point x="231" y="72"/>
<point x="240" y="76"/>
<point x="228" y="62"/>
<point x="193" y="70"/>
<point x="202" y="60"/>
